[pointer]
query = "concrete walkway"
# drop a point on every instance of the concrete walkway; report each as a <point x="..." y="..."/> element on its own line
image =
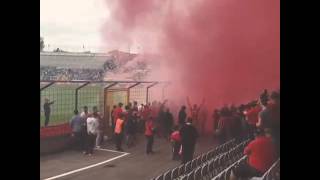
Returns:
<point x="133" y="165"/>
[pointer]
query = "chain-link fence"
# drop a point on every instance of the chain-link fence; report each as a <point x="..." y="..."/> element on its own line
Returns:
<point x="59" y="99"/>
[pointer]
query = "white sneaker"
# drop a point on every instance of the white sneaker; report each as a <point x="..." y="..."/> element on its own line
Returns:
<point x="98" y="147"/>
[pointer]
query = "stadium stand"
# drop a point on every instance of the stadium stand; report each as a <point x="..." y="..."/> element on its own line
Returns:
<point x="209" y="164"/>
<point x="75" y="66"/>
<point x="273" y="173"/>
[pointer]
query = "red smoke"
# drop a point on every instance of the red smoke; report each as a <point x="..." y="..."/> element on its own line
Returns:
<point x="227" y="51"/>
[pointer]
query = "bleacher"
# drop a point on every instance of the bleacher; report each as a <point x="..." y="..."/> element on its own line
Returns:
<point x="207" y="165"/>
<point x="75" y="66"/>
<point x="272" y="174"/>
<point x="217" y="164"/>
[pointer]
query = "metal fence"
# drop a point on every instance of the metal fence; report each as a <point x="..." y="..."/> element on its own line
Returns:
<point x="70" y="95"/>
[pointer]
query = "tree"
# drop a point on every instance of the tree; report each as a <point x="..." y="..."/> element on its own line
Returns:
<point x="41" y="44"/>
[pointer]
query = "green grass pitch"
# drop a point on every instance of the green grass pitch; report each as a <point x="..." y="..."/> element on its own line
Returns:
<point x="64" y="101"/>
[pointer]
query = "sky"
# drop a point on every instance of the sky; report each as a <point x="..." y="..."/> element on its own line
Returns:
<point x="70" y="24"/>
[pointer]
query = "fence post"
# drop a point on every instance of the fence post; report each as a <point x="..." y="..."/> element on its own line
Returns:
<point x="40" y="108"/>
<point x="128" y="90"/>
<point x="167" y="84"/>
<point x="153" y="84"/>
<point x="76" y="94"/>
<point x="106" y="112"/>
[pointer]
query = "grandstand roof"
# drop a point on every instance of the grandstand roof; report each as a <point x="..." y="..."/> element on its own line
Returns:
<point x="73" y="60"/>
<point x="121" y="56"/>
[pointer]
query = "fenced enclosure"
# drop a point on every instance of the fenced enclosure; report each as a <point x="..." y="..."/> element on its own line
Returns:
<point x="70" y="95"/>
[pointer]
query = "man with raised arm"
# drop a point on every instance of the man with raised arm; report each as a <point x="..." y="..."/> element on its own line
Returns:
<point x="194" y="112"/>
<point x="47" y="111"/>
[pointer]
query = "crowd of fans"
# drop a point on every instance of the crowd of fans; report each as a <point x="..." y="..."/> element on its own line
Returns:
<point x="259" y="120"/>
<point x="54" y="73"/>
<point x="61" y="73"/>
<point x="87" y="130"/>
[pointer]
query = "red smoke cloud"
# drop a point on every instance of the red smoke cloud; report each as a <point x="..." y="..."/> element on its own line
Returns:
<point x="227" y="51"/>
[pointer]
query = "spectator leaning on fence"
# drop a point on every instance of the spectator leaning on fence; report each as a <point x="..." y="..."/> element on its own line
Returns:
<point x="47" y="111"/>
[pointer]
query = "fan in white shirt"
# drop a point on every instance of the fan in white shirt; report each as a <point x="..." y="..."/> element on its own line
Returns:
<point x="92" y="125"/>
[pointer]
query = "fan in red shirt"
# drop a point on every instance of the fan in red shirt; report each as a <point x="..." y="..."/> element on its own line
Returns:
<point x="149" y="133"/>
<point x="117" y="111"/>
<point x="176" y="143"/>
<point x="223" y="132"/>
<point x="154" y="109"/>
<point x="253" y="115"/>
<point x="194" y="112"/>
<point x="261" y="155"/>
<point x="146" y="112"/>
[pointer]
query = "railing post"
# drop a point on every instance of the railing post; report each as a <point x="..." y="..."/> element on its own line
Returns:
<point x="128" y="89"/>
<point x="167" y="84"/>
<point x="40" y="108"/>
<point x="105" y="95"/>
<point x="105" y="98"/>
<point x="76" y="94"/>
<point x="147" y="98"/>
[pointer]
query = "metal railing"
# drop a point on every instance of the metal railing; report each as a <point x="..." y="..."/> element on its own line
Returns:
<point x="68" y="96"/>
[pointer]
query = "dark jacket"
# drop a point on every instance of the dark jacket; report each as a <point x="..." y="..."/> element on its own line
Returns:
<point x="189" y="135"/>
<point x="129" y="126"/>
<point x="46" y="107"/>
<point x="182" y="116"/>
<point x="169" y="120"/>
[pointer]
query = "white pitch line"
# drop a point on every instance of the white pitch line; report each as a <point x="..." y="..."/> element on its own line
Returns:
<point x="110" y="150"/>
<point x="84" y="168"/>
